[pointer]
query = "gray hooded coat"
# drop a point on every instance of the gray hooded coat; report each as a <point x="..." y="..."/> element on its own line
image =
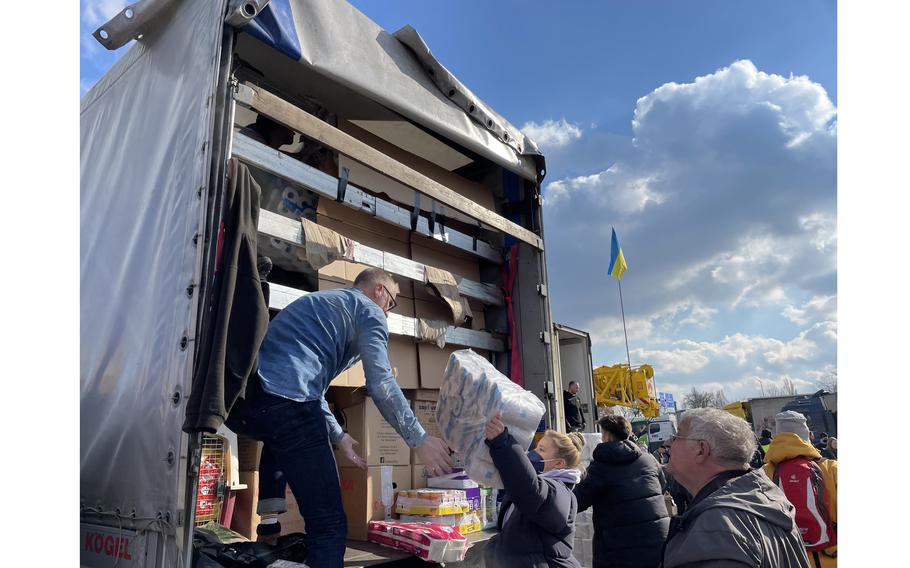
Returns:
<point x="746" y="522"/>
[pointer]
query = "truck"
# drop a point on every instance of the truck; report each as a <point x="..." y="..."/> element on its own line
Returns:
<point x="390" y="151"/>
<point x="819" y="408"/>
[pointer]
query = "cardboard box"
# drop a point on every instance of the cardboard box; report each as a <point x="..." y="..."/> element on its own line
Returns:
<point x="433" y="361"/>
<point x="366" y="495"/>
<point x="424" y="406"/>
<point x="344" y="271"/>
<point x="434" y="308"/>
<point x="248" y="452"/>
<point x="369" y="495"/>
<point x="353" y="218"/>
<point x="446" y="257"/>
<point x="380" y="444"/>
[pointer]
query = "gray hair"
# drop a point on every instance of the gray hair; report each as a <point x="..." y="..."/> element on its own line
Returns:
<point x="372" y="276"/>
<point x="730" y="438"/>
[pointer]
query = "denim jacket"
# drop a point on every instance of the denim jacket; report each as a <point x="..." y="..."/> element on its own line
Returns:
<point x="320" y="335"/>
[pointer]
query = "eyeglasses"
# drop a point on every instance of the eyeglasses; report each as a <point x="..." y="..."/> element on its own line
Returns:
<point x="674" y="437"/>
<point x="392" y="303"/>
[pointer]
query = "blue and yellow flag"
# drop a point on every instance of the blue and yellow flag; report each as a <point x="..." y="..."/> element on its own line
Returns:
<point x="617" y="260"/>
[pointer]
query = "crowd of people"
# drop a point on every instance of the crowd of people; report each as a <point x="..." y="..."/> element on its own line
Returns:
<point x="713" y="495"/>
<point x="728" y="510"/>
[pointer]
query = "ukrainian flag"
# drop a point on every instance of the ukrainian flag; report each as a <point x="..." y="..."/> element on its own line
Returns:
<point x="617" y="260"/>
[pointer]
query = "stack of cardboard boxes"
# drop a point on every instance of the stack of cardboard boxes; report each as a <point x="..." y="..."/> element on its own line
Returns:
<point x="418" y="366"/>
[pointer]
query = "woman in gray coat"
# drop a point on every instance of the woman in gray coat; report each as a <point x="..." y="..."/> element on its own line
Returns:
<point x="537" y="517"/>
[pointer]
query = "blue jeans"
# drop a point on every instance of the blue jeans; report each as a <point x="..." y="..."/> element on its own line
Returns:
<point x="297" y="451"/>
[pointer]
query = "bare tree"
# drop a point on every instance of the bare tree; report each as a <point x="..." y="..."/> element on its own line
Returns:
<point x="699" y="399"/>
<point x="828" y="381"/>
<point x="789" y="387"/>
<point x="773" y="390"/>
<point x="720" y="399"/>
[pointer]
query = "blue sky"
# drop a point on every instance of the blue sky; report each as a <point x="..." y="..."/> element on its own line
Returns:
<point x="705" y="132"/>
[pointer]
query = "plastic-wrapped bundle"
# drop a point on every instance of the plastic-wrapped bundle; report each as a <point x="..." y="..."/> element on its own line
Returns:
<point x="433" y="543"/>
<point x="472" y="392"/>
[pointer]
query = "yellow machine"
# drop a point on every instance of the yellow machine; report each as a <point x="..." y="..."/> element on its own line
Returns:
<point x="738" y="408"/>
<point x="615" y="385"/>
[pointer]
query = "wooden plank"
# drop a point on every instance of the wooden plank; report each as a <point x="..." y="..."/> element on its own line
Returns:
<point x="281" y="297"/>
<point x="307" y="124"/>
<point x="289" y="230"/>
<point x="283" y="166"/>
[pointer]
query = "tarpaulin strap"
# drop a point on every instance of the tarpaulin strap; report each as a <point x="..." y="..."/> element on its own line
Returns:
<point x="415" y="213"/>
<point x="509" y="272"/>
<point x="442" y="220"/>
<point x="475" y="236"/>
<point x="342" y="184"/>
<point x="432" y="221"/>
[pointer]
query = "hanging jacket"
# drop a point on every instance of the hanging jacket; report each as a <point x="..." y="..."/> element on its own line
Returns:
<point x="630" y="514"/>
<point x="786" y="446"/>
<point x="537" y="515"/>
<point x="746" y="522"/>
<point x="240" y="314"/>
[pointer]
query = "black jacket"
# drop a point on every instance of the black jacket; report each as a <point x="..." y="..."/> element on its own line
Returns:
<point x="630" y="515"/>
<point x="240" y="313"/>
<point x="575" y="419"/>
<point x="537" y="517"/>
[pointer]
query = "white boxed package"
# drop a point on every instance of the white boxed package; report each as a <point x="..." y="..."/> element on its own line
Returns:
<point x="472" y="392"/>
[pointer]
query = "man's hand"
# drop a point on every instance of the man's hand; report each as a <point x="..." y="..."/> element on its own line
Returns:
<point x="495" y="427"/>
<point x="347" y="445"/>
<point x="435" y="455"/>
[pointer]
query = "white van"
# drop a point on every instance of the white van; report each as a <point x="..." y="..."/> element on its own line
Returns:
<point x="660" y="430"/>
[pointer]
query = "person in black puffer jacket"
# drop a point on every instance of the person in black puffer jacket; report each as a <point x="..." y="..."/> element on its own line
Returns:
<point x="623" y="486"/>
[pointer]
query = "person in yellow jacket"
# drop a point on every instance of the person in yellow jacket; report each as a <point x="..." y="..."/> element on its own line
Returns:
<point x="791" y="441"/>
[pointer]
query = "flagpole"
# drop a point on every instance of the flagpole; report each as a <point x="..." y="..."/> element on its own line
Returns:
<point x="623" y="311"/>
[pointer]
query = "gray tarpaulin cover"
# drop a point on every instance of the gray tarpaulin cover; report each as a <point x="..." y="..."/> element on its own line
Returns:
<point x="334" y="39"/>
<point x="145" y="132"/>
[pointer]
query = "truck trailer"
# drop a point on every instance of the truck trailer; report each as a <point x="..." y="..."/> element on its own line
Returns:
<point x="390" y="152"/>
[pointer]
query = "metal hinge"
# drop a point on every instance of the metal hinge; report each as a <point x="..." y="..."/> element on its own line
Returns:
<point x="542" y="290"/>
<point x="545" y="337"/>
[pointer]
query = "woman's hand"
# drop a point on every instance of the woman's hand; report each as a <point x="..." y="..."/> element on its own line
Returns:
<point x="495" y="427"/>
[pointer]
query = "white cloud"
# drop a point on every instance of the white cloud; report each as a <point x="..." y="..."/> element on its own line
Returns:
<point x="823" y="227"/>
<point x="724" y="201"/>
<point x="819" y="307"/>
<point x="682" y="361"/>
<point x="610" y="329"/>
<point x="800" y="347"/>
<point x="552" y="133"/>
<point x="625" y="193"/>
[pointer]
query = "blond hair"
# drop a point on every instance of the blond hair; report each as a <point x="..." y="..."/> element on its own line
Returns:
<point x="568" y="446"/>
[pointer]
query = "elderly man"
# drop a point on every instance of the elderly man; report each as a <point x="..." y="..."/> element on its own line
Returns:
<point x="737" y="516"/>
<point x="307" y="345"/>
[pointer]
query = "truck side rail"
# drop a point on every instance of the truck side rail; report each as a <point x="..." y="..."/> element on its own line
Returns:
<point x="281" y="296"/>
<point x="254" y="153"/>
<point x="289" y="230"/>
<point x="284" y="112"/>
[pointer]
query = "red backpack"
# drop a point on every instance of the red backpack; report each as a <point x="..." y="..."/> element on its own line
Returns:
<point x="801" y="480"/>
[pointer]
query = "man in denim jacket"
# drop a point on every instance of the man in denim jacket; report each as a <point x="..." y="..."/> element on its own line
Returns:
<point x="307" y="345"/>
